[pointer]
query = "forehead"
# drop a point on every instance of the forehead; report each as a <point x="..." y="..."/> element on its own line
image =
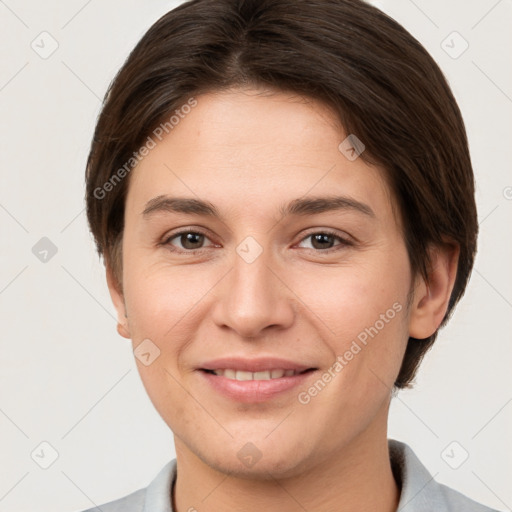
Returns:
<point x="248" y="147"/>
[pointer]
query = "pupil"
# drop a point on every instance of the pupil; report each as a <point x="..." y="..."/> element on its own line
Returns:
<point x="191" y="238"/>
<point x="322" y="238"/>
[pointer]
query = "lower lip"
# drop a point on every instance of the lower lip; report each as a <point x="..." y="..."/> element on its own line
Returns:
<point x="254" y="391"/>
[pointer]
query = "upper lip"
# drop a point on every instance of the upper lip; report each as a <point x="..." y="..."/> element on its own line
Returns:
<point x="260" y="364"/>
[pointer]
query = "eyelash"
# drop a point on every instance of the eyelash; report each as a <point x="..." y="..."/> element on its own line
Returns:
<point x="344" y="242"/>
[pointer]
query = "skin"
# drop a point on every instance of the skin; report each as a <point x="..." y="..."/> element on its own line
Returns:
<point x="247" y="153"/>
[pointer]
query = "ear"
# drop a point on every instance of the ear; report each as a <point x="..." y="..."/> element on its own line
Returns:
<point x="117" y="297"/>
<point x="431" y="297"/>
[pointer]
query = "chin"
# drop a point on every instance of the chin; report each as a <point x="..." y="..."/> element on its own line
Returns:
<point x="256" y="461"/>
<point x="265" y="469"/>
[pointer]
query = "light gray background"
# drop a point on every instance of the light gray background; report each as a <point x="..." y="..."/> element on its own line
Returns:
<point x="68" y="379"/>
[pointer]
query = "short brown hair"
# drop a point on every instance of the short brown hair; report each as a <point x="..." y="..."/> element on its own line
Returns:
<point x="376" y="77"/>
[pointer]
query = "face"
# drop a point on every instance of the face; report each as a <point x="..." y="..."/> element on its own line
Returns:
<point x="273" y="295"/>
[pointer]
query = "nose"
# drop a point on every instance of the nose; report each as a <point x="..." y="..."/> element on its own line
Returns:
<point x="253" y="297"/>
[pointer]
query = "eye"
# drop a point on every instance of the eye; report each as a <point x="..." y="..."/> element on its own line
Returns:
<point x="323" y="241"/>
<point x="192" y="240"/>
<point x="189" y="241"/>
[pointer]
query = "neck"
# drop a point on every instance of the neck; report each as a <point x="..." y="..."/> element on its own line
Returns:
<point x="357" y="477"/>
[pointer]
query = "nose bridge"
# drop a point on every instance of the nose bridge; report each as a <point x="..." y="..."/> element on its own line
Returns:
<point x="253" y="297"/>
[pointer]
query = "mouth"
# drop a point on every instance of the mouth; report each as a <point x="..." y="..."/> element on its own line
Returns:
<point x="254" y="381"/>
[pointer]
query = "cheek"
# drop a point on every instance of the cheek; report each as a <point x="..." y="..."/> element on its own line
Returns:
<point x="159" y="297"/>
<point x="163" y="304"/>
<point x="349" y="299"/>
<point x="341" y="301"/>
<point x="362" y="315"/>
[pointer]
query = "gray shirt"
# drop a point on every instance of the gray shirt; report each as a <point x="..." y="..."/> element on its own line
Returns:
<point x="420" y="492"/>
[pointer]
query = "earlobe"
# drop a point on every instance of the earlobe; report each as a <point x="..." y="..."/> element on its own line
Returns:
<point x="123" y="331"/>
<point x="431" y="297"/>
<point x="117" y="297"/>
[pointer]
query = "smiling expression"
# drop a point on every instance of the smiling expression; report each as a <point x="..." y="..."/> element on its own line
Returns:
<point x="254" y="255"/>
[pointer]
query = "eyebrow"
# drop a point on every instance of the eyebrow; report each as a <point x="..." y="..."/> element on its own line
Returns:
<point x="301" y="206"/>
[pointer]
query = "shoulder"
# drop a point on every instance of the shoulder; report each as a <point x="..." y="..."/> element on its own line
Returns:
<point x="458" y="501"/>
<point x="156" y="497"/>
<point x="133" y="502"/>
<point x="420" y="492"/>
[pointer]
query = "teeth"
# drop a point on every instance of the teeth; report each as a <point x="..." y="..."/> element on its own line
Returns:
<point x="264" y="375"/>
<point x="261" y="376"/>
<point x="243" y="375"/>
<point x="230" y="374"/>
